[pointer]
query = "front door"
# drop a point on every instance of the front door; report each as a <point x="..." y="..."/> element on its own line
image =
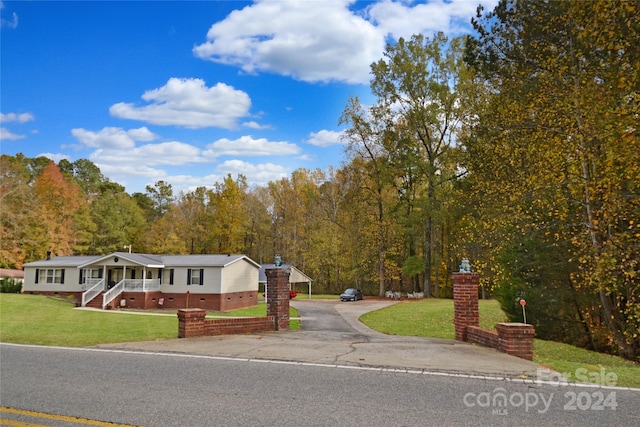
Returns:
<point x="114" y="276"/>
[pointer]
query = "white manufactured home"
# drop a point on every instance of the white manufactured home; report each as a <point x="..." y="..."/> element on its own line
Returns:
<point x="212" y="282"/>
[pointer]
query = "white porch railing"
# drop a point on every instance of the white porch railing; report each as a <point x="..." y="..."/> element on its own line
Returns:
<point x="89" y="283"/>
<point x="141" y="285"/>
<point x="92" y="292"/>
<point x="112" y="293"/>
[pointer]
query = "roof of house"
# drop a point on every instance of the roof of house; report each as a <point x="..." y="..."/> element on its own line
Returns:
<point x="262" y="277"/>
<point x="11" y="274"/>
<point x="148" y="260"/>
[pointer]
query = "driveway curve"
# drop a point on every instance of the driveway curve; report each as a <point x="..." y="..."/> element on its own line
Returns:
<point x="338" y="320"/>
<point x="331" y="334"/>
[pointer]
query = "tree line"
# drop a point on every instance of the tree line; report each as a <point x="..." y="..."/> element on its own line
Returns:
<point x="516" y="147"/>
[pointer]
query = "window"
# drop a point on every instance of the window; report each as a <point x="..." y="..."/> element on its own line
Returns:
<point x="194" y="276"/>
<point x="89" y="273"/>
<point x="166" y="276"/>
<point x="50" y="275"/>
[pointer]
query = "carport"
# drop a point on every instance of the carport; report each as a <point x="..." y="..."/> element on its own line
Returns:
<point x="296" y="277"/>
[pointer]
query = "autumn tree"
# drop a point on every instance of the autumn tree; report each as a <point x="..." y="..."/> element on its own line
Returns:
<point x="17" y="206"/>
<point x="228" y="215"/>
<point x="557" y="151"/>
<point x="258" y="241"/>
<point x="406" y="138"/>
<point x="61" y="212"/>
<point x="368" y="137"/>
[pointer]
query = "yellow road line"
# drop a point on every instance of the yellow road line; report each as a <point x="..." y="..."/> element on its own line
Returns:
<point x="13" y="423"/>
<point x="64" y="418"/>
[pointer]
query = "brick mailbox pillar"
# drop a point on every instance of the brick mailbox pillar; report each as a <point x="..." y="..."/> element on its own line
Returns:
<point x="465" y="303"/>
<point x="278" y="297"/>
<point x="191" y="322"/>
<point x="516" y="339"/>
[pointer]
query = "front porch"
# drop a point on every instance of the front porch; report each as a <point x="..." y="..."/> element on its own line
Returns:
<point x="99" y="293"/>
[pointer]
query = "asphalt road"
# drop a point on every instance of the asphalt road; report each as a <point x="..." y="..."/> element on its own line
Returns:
<point x="161" y="389"/>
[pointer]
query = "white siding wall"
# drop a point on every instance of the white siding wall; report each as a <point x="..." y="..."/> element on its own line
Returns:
<point x="211" y="281"/>
<point x="241" y="276"/>
<point x="71" y="277"/>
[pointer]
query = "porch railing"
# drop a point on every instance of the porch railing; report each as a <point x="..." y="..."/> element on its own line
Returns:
<point x="90" y="282"/>
<point x="92" y="292"/>
<point x="140" y="285"/>
<point x="112" y="293"/>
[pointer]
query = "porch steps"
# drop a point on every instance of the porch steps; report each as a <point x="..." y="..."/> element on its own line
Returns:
<point x="96" y="302"/>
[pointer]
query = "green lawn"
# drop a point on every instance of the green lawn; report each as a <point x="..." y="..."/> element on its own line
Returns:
<point x="433" y="318"/>
<point x="36" y="319"/>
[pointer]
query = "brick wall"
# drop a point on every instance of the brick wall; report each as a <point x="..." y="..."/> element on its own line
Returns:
<point x="245" y="325"/>
<point x="482" y="336"/>
<point x="515" y="339"/>
<point x="191" y="322"/>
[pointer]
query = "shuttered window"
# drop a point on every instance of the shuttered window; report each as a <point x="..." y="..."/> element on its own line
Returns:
<point x="195" y="276"/>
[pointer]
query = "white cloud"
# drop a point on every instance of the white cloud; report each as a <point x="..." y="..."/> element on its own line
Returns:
<point x="55" y="157"/>
<point x="5" y="134"/>
<point x="255" y="125"/>
<point x="247" y="146"/>
<point x="325" y="138"/>
<point x="13" y="117"/>
<point x="122" y="172"/>
<point x="308" y="40"/>
<point x="13" y="23"/>
<point x="322" y="41"/>
<point x="404" y="19"/>
<point x="259" y="174"/>
<point x="188" y="103"/>
<point x="164" y="153"/>
<point x="113" y="137"/>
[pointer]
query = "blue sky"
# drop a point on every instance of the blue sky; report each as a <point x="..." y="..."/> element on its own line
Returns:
<point x="188" y="92"/>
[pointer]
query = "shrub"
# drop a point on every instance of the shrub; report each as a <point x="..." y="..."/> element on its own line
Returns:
<point x="10" y="286"/>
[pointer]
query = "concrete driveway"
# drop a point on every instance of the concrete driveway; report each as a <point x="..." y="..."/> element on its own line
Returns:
<point x="331" y="334"/>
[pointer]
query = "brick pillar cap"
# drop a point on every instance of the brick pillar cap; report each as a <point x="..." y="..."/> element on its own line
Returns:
<point x="515" y="324"/>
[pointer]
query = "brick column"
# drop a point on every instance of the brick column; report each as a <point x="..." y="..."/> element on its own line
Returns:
<point x="191" y="322"/>
<point x="278" y="297"/>
<point x="465" y="302"/>
<point x="516" y="339"/>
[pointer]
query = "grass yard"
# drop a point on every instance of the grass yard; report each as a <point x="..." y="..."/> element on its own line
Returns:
<point x="40" y="320"/>
<point x="433" y="318"/>
<point x="36" y="319"/>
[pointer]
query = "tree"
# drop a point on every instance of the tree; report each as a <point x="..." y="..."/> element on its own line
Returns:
<point x="228" y="215"/>
<point x="367" y="140"/>
<point x="60" y="208"/>
<point x="87" y="175"/>
<point x="419" y="85"/>
<point x="119" y="221"/>
<point x="16" y="211"/>
<point x="161" y="193"/>
<point x="563" y="122"/>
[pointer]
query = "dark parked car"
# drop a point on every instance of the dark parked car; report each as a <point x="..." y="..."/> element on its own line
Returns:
<point x="351" y="294"/>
